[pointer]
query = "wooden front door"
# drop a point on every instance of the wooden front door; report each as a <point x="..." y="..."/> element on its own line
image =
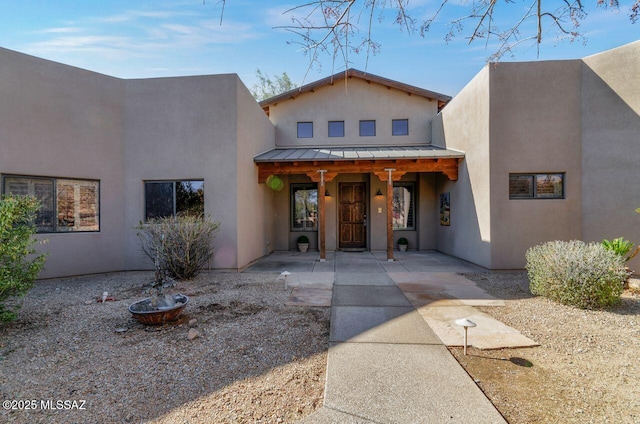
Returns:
<point x="352" y="215"/>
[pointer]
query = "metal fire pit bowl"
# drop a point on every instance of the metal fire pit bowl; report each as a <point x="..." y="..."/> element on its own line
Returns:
<point x="146" y="314"/>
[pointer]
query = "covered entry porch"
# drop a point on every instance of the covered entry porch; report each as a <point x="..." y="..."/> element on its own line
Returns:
<point x="362" y="183"/>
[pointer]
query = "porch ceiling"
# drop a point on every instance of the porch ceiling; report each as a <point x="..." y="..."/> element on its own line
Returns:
<point x="341" y="160"/>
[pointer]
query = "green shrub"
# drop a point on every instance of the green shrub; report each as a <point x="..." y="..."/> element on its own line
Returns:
<point x="403" y="240"/>
<point x="19" y="266"/>
<point x="576" y="273"/>
<point x="620" y="247"/>
<point x="180" y="246"/>
<point x="303" y="239"/>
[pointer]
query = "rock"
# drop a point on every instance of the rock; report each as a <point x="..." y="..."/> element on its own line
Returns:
<point x="193" y="334"/>
<point x="88" y="302"/>
<point x="193" y="321"/>
<point x="634" y="284"/>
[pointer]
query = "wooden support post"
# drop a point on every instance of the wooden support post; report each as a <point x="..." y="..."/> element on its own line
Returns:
<point x="321" y="217"/>
<point x="390" y="216"/>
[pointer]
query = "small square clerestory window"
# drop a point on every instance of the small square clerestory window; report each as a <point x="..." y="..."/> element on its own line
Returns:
<point x="336" y="128"/>
<point x="367" y="128"/>
<point x="305" y="129"/>
<point x="400" y="127"/>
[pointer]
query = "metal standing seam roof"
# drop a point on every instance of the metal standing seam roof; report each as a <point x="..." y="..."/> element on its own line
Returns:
<point x="310" y="154"/>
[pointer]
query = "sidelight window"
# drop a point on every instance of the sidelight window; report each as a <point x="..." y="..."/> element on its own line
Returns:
<point x="403" y="206"/>
<point x="304" y="207"/>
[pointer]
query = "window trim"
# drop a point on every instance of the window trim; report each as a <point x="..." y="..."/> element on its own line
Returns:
<point x="534" y="192"/>
<point x="298" y="128"/>
<point x="329" y="128"/>
<point x="360" y="127"/>
<point x="393" y="121"/>
<point x="54" y="195"/>
<point x="412" y="203"/>
<point x="174" y="182"/>
<point x="292" y="209"/>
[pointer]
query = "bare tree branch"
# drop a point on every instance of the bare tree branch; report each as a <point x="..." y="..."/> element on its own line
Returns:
<point x="332" y="26"/>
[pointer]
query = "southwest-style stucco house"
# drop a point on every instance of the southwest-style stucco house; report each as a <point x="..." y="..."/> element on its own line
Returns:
<point x="525" y="153"/>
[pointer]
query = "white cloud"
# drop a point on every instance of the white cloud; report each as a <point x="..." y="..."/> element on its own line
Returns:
<point x="276" y="16"/>
<point x="141" y="33"/>
<point x="61" y="30"/>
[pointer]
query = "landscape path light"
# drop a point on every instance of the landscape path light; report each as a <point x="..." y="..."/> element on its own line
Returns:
<point x="466" y="323"/>
<point x="285" y="273"/>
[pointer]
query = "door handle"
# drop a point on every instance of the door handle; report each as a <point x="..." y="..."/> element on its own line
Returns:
<point x="365" y="219"/>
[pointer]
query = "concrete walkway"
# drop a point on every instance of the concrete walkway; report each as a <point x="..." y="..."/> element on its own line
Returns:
<point x="385" y="364"/>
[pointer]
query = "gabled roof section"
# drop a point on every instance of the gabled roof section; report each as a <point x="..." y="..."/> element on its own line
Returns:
<point x="354" y="73"/>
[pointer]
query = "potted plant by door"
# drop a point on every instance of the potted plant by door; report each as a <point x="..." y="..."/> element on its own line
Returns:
<point x="303" y="243"/>
<point x="402" y="244"/>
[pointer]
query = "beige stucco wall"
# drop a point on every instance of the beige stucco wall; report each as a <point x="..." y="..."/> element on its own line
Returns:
<point x="611" y="145"/>
<point x="60" y="121"/>
<point x="578" y="117"/>
<point x="255" y="207"/>
<point x="534" y="128"/>
<point x="355" y="101"/>
<point x="464" y="125"/>
<point x="180" y="129"/>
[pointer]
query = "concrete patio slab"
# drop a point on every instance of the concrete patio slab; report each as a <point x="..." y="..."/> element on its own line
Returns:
<point x="311" y="280"/>
<point x="368" y="296"/>
<point x="422" y="299"/>
<point x="431" y="261"/>
<point x="356" y="279"/>
<point x="400" y="383"/>
<point x="326" y="415"/>
<point x="327" y="266"/>
<point x="302" y="296"/>
<point x="370" y="324"/>
<point x="362" y="262"/>
<point x="281" y="265"/>
<point x="442" y="289"/>
<point x="489" y="333"/>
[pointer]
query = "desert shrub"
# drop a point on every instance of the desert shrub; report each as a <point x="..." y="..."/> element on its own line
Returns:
<point x="181" y="245"/>
<point x="19" y="264"/>
<point x="575" y="273"/>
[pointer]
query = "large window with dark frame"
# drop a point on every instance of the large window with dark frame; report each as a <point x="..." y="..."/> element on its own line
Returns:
<point x="171" y="198"/>
<point x="66" y="205"/>
<point x="536" y="186"/>
<point x="403" y="217"/>
<point x="304" y="207"/>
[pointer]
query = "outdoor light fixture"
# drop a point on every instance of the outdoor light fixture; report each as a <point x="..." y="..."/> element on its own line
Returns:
<point x="379" y="193"/>
<point x="285" y="273"/>
<point x="326" y="193"/>
<point x="466" y="323"/>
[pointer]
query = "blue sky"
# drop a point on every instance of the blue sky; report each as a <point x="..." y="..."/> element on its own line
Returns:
<point x="159" y="38"/>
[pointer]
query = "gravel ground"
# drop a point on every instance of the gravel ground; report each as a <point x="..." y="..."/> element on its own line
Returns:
<point x="585" y="371"/>
<point x="254" y="360"/>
